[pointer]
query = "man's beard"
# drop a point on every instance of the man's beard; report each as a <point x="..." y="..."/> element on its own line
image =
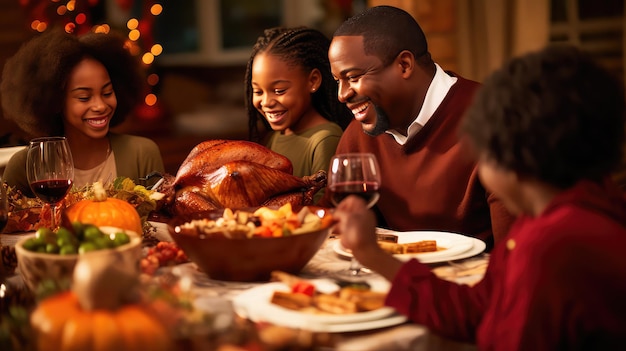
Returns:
<point x="382" y="123"/>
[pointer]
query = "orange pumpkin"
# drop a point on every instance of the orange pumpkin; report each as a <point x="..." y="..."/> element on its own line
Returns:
<point x="61" y="324"/>
<point x="105" y="211"/>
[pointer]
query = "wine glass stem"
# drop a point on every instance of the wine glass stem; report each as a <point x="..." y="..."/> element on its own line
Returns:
<point x="53" y="220"/>
<point x="355" y="267"/>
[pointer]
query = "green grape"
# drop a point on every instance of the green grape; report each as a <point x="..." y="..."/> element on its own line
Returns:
<point x="92" y="232"/>
<point x="103" y="242"/>
<point x="52" y="248"/>
<point x="45" y="234"/>
<point x="86" y="247"/>
<point x="68" y="249"/>
<point x="31" y="244"/>
<point x="120" y="238"/>
<point x="79" y="228"/>
<point x="65" y="237"/>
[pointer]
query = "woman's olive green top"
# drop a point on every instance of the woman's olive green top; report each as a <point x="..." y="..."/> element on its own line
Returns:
<point x="135" y="157"/>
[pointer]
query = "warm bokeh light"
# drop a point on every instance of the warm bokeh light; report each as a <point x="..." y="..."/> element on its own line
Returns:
<point x="132" y="23"/>
<point x="134" y="35"/>
<point x="41" y="27"/>
<point x="150" y="99"/>
<point x="103" y="28"/>
<point x="147" y="58"/>
<point x="70" y="27"/>
<point x="75" y="16"/>
<point x="153" y="79"/>
<point x="156" y="9"/>
<point x="81" y="18"/>
<point x="156" y="49"/>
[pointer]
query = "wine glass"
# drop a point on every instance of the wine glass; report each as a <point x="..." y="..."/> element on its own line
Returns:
<point x="50" y="171"/>
<point x="4" y="206"/>
<point x="354" y="174"/>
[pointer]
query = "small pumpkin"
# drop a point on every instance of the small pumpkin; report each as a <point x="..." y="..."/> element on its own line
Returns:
<point x="105" y="211"/>
<point x="98" y="314"/>
<point x="61" y="324"/>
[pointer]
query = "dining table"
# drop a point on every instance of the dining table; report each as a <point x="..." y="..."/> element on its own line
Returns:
<point x="387" y="333"/>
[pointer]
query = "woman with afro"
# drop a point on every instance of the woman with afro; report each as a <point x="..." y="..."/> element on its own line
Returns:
<point x="60" y="84"/>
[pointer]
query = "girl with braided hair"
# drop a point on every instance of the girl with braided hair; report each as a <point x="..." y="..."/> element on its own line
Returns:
<point x="291" y="98"/>
<point x="60" y="84"/>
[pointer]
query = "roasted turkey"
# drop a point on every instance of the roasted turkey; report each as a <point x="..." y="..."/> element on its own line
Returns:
<point x="237" y="174"/>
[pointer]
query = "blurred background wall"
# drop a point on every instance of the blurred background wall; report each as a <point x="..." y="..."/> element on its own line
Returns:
<point x="196" y="87"/>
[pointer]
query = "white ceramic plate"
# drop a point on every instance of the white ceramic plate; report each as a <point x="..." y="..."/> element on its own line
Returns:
<point x="478" y="248"/>
<point x="255" y="305"/>
<point x="457" y="246"/>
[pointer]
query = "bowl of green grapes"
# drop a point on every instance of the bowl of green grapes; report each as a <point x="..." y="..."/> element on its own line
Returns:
<point x="51" y="255"/>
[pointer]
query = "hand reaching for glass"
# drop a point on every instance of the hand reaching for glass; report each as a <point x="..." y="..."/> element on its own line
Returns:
<point x="357" y="225"/>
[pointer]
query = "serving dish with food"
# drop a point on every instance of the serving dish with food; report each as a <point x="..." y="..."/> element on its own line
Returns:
<point x="247" y="245"/>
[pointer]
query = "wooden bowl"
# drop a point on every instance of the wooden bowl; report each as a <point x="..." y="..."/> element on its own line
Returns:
<point x="249" y="259"/>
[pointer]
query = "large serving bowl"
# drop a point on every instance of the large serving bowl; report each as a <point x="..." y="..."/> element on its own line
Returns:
<point x="34" y="267"/>
<point x="249" y="259"/>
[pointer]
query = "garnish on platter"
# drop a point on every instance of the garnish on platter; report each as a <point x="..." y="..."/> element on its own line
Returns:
<point x="304" y="297"/>
<point x="29" y="214"/>
<point x="123" y="188"/>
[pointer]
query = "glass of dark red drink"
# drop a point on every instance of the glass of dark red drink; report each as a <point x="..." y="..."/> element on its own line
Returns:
<point x="50" y="171"/>
<point x="354" y="174"/>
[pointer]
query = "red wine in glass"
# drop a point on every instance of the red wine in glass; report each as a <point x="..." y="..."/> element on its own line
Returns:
<point x="368" y="191"/>
<point x="51" y="190"/>
<point x="354" y="174"/>
<point x="50" y="170"/>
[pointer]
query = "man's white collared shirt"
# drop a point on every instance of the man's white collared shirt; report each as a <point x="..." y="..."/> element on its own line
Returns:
<point x="437" y="91"/>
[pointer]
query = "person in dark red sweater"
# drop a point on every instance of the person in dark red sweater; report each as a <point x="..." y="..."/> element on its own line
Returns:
<point x="406" y="112"/>
<point x="548" y="130"/>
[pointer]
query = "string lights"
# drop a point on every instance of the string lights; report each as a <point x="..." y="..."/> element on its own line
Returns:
<point x="76" y="17"/>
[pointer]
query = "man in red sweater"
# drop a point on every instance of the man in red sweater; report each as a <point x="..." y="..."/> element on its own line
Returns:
<point x="406" y="112"/>
<point x="548" y="129"/>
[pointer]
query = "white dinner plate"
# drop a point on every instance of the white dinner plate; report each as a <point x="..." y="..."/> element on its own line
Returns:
<point x="457" y="246"/>
<point x="478" y="248"/>
<point x="255" y="305"/>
